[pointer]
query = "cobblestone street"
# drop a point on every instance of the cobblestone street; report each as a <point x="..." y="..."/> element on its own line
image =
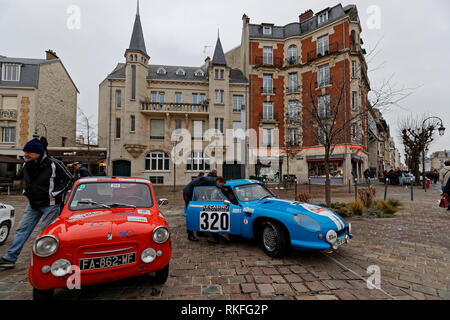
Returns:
<point x="411" y="249"/>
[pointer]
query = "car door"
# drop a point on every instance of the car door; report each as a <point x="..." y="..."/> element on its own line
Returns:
<point x="211" y="211"/>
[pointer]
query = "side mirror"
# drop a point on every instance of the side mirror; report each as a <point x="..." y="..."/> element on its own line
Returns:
<point x="163" y="202"/>
<point x="226" y="202"/>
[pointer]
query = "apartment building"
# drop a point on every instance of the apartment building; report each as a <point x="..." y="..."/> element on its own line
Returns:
<point x="142" y="105"/>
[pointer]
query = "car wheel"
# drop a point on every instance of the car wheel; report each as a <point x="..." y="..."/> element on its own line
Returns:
<point x="42" y="294"/>
<point x="4" y="232"/>
<point x="273" y="239"/>
<point x="162" y="275"/>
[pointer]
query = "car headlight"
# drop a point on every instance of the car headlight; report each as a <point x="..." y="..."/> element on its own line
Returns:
<point x="45" y="246"/>
<point x="148" y="255"/>
<point x="61" y="267"/>
<point x="161" y="234"/>
<point x="307" y="222"/>
<point x="331" y="236"/>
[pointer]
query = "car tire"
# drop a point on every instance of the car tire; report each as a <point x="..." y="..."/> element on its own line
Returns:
<point x="5" y="228"/>
<point x="40" y="295"/>
<point x="162" y="275"/>
<point x="273" y="239"/>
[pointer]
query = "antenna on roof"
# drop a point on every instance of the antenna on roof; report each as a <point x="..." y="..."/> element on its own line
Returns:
<point x="137" y="11"/>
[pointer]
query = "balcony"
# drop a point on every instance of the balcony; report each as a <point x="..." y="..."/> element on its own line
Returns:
<point x="269" y="118"/>
<point x="313" y="54"/>
<point x="324" y="83"/>
<point x="292" y="61"/>
<point x="293" y="90"/>
<point x="181" y="108"/>
<point x="268" y="90"/>
<point x="292" y="119"/>
<point x="265" y="62"/>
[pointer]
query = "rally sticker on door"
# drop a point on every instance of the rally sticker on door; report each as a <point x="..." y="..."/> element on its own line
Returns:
<point x="215" y="218"/>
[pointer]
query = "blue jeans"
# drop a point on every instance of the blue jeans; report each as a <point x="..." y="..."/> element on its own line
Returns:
<point x="29" y="221"/>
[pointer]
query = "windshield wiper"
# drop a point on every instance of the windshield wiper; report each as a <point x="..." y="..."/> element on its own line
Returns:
<point x="122" y="205"/>
<point x="94" y="203"/>
<point x="269" y="196"/>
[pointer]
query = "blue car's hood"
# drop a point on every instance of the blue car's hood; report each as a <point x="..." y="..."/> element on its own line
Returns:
<point x="323" y="216"/>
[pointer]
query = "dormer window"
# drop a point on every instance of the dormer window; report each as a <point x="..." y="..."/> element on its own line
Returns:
<point x="267" y="30"/>
<point x="161" y="71"/>
<point x="180" y="72"/>
<point x="199" y="73"/>
<point x="10" y="72"/>
<point x="323" y="17"/>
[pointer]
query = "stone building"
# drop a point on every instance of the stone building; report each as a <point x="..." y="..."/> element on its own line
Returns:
<point x="36" y="96"/>
<point x="438" y="159"/>
<point x="302" y="63"/>
<point x="141" y="105"/>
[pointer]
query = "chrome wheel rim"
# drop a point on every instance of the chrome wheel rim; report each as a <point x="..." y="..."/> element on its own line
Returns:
<point x="270" y="237"/>
<point x="3" y="233"/>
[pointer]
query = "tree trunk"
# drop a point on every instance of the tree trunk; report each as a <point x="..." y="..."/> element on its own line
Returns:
<point x="327" y="177"/>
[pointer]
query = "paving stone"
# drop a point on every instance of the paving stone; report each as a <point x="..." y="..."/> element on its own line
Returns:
<point x="344" y="295"/>
<point x="315" y="286"/>
<point x="292" y="278"/>
<point x="248" y="287"/>
<point x="283" y="289"/>
<point x="211" y="289"/>
<point x="424" y="289"/>
<point x="266" y="289"/>
<point x="326" y="297"/>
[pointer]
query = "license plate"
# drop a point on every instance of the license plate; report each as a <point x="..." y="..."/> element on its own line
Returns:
<point x="341" y="241"/>
<point x="107" y="262"/>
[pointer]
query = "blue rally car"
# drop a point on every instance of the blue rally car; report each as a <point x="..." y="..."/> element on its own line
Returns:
<point x="255" y="213"/>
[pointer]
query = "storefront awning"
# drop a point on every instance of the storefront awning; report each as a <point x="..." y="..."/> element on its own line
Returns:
<point x="333" y="158"/>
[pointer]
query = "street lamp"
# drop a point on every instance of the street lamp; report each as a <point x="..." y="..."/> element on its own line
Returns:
<point x="441" y="131"/>
<point x="174" y="143"/>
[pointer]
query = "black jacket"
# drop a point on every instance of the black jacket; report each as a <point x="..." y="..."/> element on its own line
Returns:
<point x="46" y="181"/>
<point x="82" y="172"/>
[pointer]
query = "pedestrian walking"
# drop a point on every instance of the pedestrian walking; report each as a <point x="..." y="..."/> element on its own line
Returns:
<point x="188" y="191"/>
<point x="444" y="175"/>
<point x="367" y="176"/>
<point x="81" y="171"/>
<point x="46" y="182"/>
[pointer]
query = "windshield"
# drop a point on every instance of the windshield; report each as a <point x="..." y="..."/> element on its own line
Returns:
<point x="251" y="192"/>
<point x="111" y="195"/>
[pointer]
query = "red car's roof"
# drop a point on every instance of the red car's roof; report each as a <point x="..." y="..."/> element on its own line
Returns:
<point x="112" y="179"/>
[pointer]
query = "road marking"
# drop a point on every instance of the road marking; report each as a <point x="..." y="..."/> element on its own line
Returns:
<point x="356" y="274"/>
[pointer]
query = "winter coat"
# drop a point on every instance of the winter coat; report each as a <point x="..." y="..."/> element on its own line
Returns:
<point x="444" y="175"/>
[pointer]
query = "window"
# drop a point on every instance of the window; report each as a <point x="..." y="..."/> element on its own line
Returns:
<point x="156" y="129"/>
<point x="132" y="123"/>
<point x="293" y="110"/>
<point x="177" y="124"/>
<point x="180" y="72"/>
<point x="133" y="82"/>
<point x="178" y="97"/>
<point x="202" y="98"/>
<point x="267" y="137"/>
<point x="267" y="83"/>
<point x="219" y="96"/>
<point x="323" y="76"/>
<point x="267" y="30"/>
<point x="63" y="141"/>
<point x="324" y="106"/>
<point x="293" y="83"/>
<point x="195" y="98"/>
<point x="293" y="137"/>
<point x="161" y="97"/>
<point x="199" y="73"/>
<point x="157" y="161"/>
<point x="322" y="137"/>
<point x="354" y="131"/>
<point x="198" y="161"/>
<point x="238" y="131"/>
<point x="222" y="74"/>
<point x="218" y="124"/>
<point x="117" y="128"/>
<point x="267" y="110"/>
<point x="157" y="180"/>
<point x="323" y="45"/>
<point x="198" y="129"/>
<point x="323" y="17"/>
<point x="219" y="73"/>
<point x="161" y="71"/>
<point x="11" y="72"/>
<point x="237" y="103"/>
<point x="208" y="194"/>
<point x="9" y="134"/>
<point x="353" y="69"/>
<point x="267" y="55"/>
<point x="118" y="99"/>
<point x="292" y="55"/>
<point x="354" y="100"/>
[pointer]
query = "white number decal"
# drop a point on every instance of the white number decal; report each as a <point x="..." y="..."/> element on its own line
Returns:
<point x="214" y="221"/>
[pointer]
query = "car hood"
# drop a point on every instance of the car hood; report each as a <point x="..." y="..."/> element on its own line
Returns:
<point x="324" y="216"/>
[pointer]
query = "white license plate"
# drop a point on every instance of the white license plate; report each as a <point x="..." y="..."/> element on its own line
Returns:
<point x="341" y="241"/>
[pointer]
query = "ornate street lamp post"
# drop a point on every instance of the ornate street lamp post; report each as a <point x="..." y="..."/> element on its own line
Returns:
<point x="441" y="131"/>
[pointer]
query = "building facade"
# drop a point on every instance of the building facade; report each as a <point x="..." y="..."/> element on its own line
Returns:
<point x="36" y="96"/>
<point x="438" y="159"/>
<point x="313" y="63"/>
<point x="155" y="121"/>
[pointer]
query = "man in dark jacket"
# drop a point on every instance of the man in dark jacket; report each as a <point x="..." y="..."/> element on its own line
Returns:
<point x="46" y="182"/>
<point x="80" y="171"/>
<point x="188" y="192"/>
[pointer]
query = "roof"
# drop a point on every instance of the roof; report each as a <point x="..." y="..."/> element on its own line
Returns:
<point x="29" y="71"/>
<point x="137" y="37"/>
<point x="297" y="29"/>
<point x="234" y="183"/>
<point x="219" y="56"/>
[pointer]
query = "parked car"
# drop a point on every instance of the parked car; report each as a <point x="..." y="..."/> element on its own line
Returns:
<point x="109" y="229"/>
<point x="256" y="213"/>
<point x="7" y="219"/>
<point x="406" y="178"/>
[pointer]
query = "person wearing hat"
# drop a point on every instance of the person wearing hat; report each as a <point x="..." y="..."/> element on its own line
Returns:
<point x="46" y="182"/>
<point x="80" y="171"/>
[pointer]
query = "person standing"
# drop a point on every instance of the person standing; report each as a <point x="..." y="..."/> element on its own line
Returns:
<point x="46" y="182"/>
<point x="213" y="173"/>
<point x="188" y="192"/>
<point x="367" y="176"/>
<point x="81" y="171"/>
<point x="444" y="175"/>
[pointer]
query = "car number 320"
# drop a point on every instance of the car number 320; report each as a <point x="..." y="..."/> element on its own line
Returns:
<point x="214" y="221"/>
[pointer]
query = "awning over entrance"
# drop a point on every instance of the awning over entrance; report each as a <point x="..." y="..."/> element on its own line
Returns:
<point x="333" y="158"/>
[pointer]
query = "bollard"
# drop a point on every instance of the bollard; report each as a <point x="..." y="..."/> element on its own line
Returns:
<point x="385" y="192"/>
<point x="309" y="186"/>
<point x="296" y="194"/>
<point x="356" y="189"/>
<point x="412" y="191"/>
<point x="349" y="186"/>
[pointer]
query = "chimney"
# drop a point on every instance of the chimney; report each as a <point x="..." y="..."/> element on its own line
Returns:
<point x="207" y="62"/>
<point x="306" y="15"/>
<point x="51" y="55"/>
<point x="246" y="19"/>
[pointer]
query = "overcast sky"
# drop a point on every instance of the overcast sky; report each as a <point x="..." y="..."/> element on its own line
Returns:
<point x="414" y="43"/>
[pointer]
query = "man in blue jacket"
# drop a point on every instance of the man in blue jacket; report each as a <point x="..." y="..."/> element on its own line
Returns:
<point x="80" y="171"/>
<point x="188" y="192"/>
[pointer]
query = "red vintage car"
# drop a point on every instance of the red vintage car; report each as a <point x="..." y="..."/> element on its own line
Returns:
<point x="109" y="229"/>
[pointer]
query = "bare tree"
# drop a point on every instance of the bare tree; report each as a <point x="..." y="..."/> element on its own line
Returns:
<point x="87" y="129"/>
